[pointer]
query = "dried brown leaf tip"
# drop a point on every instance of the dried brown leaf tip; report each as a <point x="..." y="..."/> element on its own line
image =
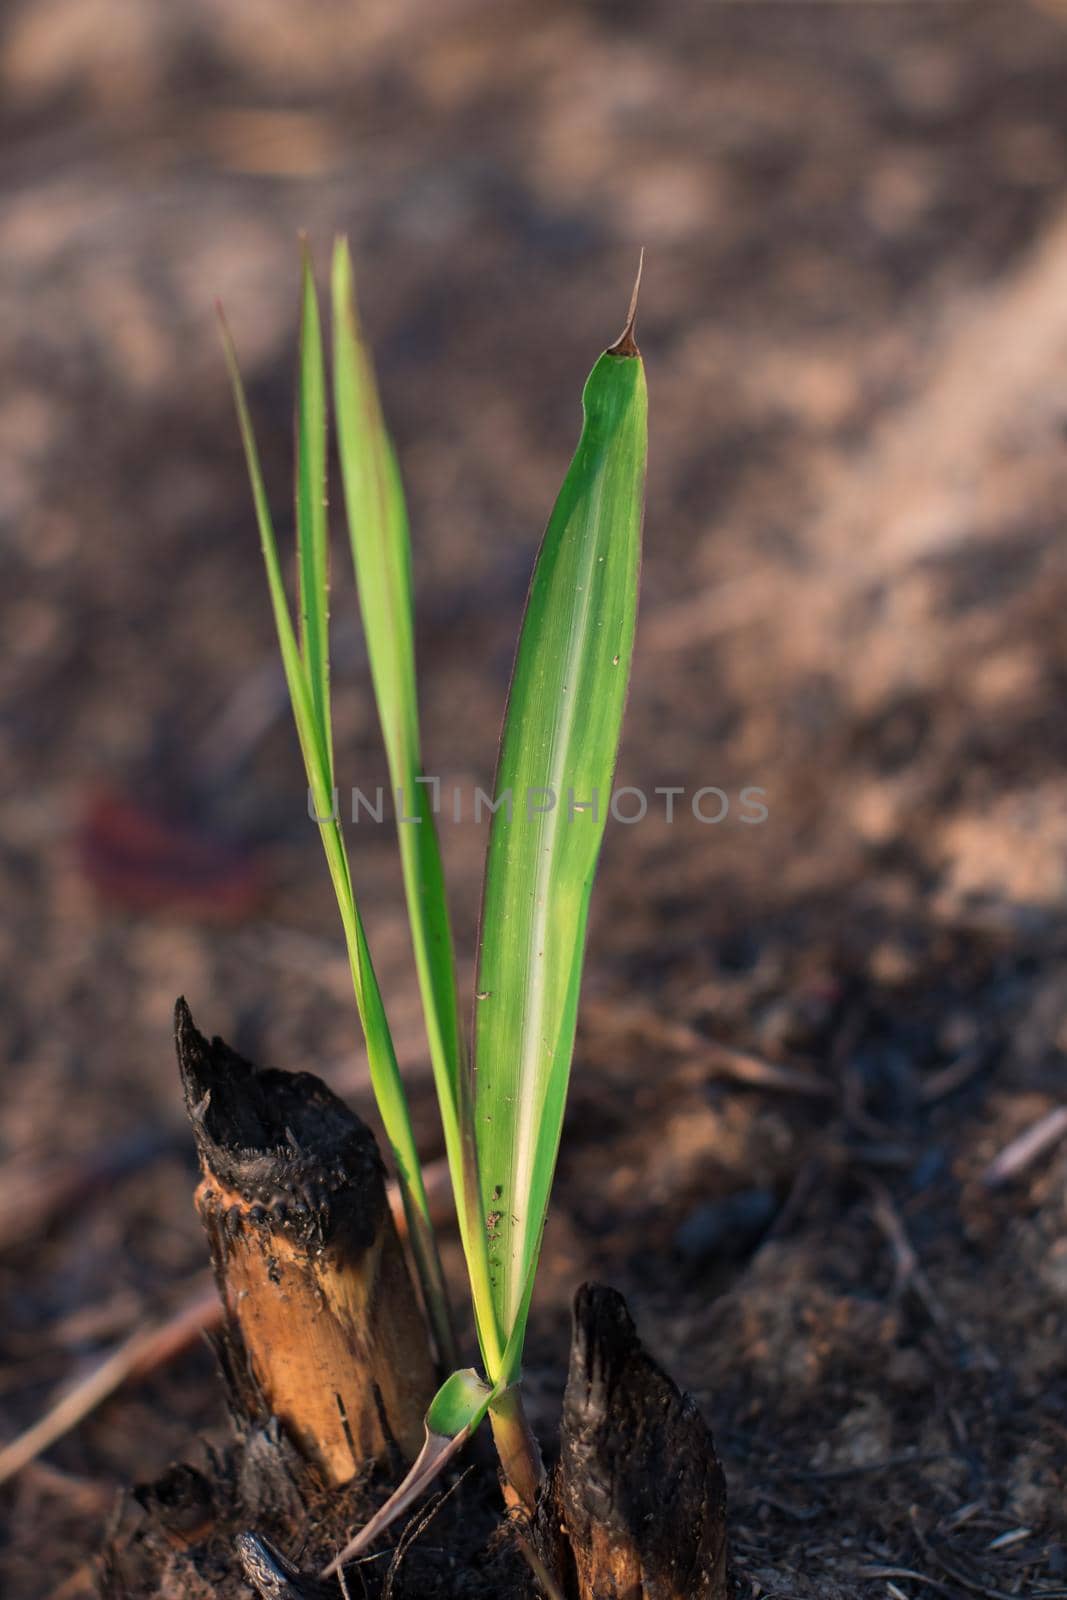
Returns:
<point x="626" y="344"/>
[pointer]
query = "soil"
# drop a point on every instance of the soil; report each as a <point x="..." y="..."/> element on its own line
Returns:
<point x="855" y="327"/>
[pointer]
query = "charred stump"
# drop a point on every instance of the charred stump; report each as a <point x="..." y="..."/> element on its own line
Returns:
<point x="638" y="1495"/>
<point x="322" y="1327"/>
<point x="324" y="1349"/>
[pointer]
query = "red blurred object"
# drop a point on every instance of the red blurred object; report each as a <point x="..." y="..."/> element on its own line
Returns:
<point x="142" y="859"/>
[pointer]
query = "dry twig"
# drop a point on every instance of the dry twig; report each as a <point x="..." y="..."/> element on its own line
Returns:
<point x="144" y="1351"/>
<point x="711" y="1057"/>
<point x="908" y="1273"/>
<point x="1026" y="1148"/>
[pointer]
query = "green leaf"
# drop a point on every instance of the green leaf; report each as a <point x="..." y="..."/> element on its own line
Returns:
<point x="315" y="745"/>
<point x="381" y="550"/>
<point x="558" y="752"/>
<point x="311" y="520"/>
<point x="460" y="1403"/>
<point x="455" y="1411"/>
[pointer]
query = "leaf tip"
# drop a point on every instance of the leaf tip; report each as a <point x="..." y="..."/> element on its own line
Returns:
<point x="228" y="348"/>
<point x="342" y="253"/>
<point x="626" y="344"/>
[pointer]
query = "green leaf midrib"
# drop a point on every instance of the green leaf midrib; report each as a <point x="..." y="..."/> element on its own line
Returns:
<point x="526" y="1141"/>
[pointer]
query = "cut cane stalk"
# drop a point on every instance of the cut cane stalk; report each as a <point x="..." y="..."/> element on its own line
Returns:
<point x="322" y="1327"/>
<point x="638" y="1492"/>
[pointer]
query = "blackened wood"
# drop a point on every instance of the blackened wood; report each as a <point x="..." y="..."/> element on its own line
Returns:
<point x="322" y="1326"/>
<point x="639" y="1489"/>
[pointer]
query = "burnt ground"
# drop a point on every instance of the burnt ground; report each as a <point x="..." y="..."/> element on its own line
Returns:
<point x="855" y="324"/>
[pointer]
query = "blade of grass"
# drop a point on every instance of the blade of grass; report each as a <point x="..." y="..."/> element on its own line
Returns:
<point x="381" y="551"/>
<point x="311" y="520"/>
<point x="560" y="740"/>
<point x="315" y="745"/>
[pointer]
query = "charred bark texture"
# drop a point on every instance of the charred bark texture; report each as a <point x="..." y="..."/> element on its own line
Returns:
<point x="322" y="1330"/>
<point x="639" y="1490"/>
<point x="326" y="1356"/>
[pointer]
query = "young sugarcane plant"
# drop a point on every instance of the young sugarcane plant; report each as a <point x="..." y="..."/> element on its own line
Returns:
<point x="502" y="1104"/>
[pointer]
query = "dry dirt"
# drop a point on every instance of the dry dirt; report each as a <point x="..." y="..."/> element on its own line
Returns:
<point x="855" y="325"/>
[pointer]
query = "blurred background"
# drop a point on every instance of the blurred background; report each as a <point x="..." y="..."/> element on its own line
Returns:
<point x="802" y="1043"/>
